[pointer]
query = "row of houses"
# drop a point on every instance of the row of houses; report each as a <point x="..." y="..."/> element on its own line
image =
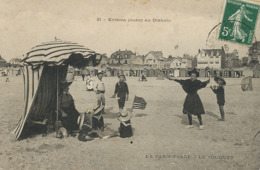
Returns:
<point x="153" y="59"/>
<point x="211" y="58"/>
<point x="10" y="68"/>
<point x="207" y="60"/>
<point x="12" y="63"/>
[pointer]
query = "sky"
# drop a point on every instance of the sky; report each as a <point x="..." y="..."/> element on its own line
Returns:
<point x="27" y="23"/>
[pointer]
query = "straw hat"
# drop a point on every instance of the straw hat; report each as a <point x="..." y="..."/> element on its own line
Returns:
<point x="219" y="78"/>
<point x="124" y="116"/>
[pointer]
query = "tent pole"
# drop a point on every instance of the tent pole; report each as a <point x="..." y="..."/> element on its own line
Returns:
<point x="57" y="113"/>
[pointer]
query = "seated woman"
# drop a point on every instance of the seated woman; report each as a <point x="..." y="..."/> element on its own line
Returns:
<point x="69" y="114"/>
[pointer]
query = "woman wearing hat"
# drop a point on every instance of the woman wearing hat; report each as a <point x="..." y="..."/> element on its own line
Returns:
<point x="192" y="104"/>
<point x="219" y="91"/>
<point x="125" y="128"/>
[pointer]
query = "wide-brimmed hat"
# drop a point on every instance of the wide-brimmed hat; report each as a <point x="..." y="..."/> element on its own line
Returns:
<point x="219" y="78"/>
<point x="194" y="71"/>
<point x="124" y="116"/>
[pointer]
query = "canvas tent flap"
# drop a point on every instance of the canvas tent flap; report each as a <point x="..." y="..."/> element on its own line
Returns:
<point x="45" y="67"/>
<point x="31" y="76"/>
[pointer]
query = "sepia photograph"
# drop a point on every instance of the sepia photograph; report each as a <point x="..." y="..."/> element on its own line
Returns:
<point x="130" y="85"/>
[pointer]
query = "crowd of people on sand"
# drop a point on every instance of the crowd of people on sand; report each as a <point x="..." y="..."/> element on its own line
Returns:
<point x="91" y="123"/>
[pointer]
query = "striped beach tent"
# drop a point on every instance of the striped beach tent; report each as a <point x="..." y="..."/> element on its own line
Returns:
<point x="44" y="68"/>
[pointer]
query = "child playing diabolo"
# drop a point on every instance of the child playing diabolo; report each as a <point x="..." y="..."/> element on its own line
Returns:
<point x="192" y="103"/>
<point x="122" y="92"/>
<point x="219" y="91"/>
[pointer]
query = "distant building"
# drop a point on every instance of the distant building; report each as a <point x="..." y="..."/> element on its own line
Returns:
<point x="2" y="62"/>
<point x="138" y="60"/>
<point x="232" y="60"/>
<point x="254" y="52"/>
<point x="244" y="61"/>
<point x="186" y="61"/>
<point x="211" y="58"/>
<point x="14" y="62"/>
<point x="155" y="59"/>
<point x="179" y="62"/>
<point x="194" y="62"/>
<point x="121" y="57"/>
<point x="175" y="62"/>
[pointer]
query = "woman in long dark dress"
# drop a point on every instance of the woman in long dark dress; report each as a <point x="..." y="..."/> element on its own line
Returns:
<point x="69" y="114"/>
<point x="192" y="104"/>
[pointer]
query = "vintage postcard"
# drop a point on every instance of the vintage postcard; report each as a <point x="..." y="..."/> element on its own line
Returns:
<point x="129" y="84"/>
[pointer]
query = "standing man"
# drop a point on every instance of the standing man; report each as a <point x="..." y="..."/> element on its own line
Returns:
<point x="99" y="88"/>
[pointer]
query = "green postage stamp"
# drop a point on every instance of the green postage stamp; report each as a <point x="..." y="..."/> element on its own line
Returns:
<point x="239" y="22"/>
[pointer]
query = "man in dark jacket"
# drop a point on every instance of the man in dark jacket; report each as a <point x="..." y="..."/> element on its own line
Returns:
<point x="122" y="92"/>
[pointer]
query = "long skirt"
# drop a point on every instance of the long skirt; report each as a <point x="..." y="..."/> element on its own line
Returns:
<point x="193" y="105"/>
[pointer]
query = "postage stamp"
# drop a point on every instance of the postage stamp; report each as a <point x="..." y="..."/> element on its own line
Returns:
<point x="239" y="22"/>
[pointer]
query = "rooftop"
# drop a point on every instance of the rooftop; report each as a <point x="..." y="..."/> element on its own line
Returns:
<point x="123" y="54"/>
<point x="157" y="54"/>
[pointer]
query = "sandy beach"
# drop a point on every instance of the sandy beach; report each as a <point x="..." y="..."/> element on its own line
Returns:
<point x="160" y="139"/>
